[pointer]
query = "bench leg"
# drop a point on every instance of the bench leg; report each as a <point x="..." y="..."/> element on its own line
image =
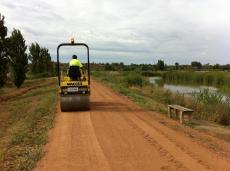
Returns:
<point x="190" y="116"/>
<point x="181" y="117"/>
<point x="169" y="112"/>
<point x="176" y="113"/>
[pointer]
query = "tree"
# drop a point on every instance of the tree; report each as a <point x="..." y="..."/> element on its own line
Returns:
<point x="45" y="61"/>
<point x="18" y="57"/>
<point x="196" y="64"/>
<point x="108" y="67"/>
<point x="145" y="67"/>
<point x="40" y="59"/>
<point x="3" y="50"/>
<point x="34" y="56"/>
<point x="216" y="66"/>
<point x="176" y="65"/>
<point x="122" y="66"/>
<point x="160" y="65"/>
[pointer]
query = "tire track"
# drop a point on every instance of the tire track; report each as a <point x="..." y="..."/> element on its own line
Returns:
<point x="118" y="135"/>
<point x="73" y="145"/>
<point x="195" y="156"/>
<point x="149" y="139"/>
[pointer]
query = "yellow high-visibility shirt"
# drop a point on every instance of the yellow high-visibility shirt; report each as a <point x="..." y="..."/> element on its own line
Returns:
<point x="75" y="62"/>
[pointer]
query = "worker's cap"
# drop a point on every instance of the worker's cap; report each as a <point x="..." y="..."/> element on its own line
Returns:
<point x="74" y="56"/>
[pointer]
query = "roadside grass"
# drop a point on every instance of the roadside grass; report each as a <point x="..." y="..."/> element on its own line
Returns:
<point x="140" y="92"/>
<point x="206" y="106"/>
<point x="6" y="90"/>
<point x="156" y="99"/>
<point x="44" y="75"/>
<point x="211" y="78"/>
<point x="27" y="84"/>
<point x="24" y="132"/>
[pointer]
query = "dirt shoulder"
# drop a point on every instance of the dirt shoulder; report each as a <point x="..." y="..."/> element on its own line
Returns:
<point x="12" y="93"/>
<point x="25" y="118"/>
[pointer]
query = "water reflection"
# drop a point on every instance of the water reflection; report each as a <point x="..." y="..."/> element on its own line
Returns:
<point x="183" y="89"/>
<point x="188" y="89"/>
<point x="153" y="80"/>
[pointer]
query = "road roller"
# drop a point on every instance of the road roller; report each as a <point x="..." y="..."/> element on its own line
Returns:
<point x="74" y="91"/>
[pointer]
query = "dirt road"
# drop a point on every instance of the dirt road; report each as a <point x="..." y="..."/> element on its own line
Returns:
<point x="118" y="135"/>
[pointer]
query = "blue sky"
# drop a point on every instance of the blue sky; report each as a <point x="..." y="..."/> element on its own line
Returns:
<point x="130" y="31"/>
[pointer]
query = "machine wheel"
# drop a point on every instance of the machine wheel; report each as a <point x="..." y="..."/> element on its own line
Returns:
<point x="74" y="102"/>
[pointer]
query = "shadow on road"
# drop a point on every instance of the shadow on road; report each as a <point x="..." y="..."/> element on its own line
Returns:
<point x="110" y="106"/>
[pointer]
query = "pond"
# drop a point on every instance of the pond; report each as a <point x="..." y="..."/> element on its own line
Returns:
<point x="182" y="89"/>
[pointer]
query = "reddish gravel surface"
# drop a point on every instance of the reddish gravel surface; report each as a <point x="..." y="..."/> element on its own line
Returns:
<point x="116" y="135"/>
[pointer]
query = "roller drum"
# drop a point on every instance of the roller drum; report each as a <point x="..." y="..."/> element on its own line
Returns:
<point x="74" y="102"/>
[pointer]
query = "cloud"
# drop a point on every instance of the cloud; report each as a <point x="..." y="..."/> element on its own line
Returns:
<point x="120" y="50"/>
<point x="8" y="5"/>
<point x="131" y="31"/>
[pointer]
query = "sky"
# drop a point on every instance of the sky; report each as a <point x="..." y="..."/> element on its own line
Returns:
<point x="129" y="31"/>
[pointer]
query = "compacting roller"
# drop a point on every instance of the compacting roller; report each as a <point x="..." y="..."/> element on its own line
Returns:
<point x="74" y="92"/>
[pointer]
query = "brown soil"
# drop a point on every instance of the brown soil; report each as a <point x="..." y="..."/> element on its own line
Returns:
<point x="116" y="134"/>
<point x="21" y="91"/>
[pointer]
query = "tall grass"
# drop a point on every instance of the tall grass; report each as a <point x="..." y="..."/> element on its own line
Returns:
<point x="23" y="132"/>
<point x="207" y="106"/>
<point x="207" y="97"/>
<point x="218" y="78"/>
<point x="216" y="106"/>
<point x="134" y="79"/>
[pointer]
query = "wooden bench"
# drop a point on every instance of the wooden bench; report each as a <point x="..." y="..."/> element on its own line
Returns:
<point x="182" y="111"/>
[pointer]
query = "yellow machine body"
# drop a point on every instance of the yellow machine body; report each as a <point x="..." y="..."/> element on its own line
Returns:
<point x="74" y="94"/>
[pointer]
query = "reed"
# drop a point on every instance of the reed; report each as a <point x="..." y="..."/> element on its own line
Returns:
<point x="214" y="78"/>
<point x="207" y="106"/>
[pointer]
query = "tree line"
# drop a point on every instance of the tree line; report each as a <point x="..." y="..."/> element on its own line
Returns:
<point x="14" y="60"/>
<point x="40" y="59"/>
<point x="159" y="66"/>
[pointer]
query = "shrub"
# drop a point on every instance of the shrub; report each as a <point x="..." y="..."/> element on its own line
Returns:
<point x="148" y="73"/>
<point x="134" y="79"/>
<point x="206" y="97"/>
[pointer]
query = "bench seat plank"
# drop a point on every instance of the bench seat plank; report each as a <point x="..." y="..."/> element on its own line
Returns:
<point x="182" y="111"/>
<point x="181" y="108"/>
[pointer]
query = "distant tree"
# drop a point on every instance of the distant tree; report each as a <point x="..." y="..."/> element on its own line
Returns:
<point x="196" y="64"/>
<point x="45" y="61"/>
<point x="121" y="66"/>
<point x="34" y="57"/>
<point x="3" y="50"/>
<point x="160" y="65"/>
<point x="144" y="67"/>
<point x="18" y="57"/>
<point x="226" y="67"/>
<point x="40" y="59"/>
<point x="133" y="66"/>
<point x="176" y="65"/>
<point x="216" y="66"/>
<point x="115" y="66"/>
<point x="108" y="67"/>
<point x="207" y="66"/>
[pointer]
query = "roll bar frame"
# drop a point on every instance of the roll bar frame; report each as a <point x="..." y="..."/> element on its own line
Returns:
<point x="72" y="44"/>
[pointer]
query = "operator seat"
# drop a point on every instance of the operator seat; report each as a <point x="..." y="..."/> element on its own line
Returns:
<point x="74" y="73"/>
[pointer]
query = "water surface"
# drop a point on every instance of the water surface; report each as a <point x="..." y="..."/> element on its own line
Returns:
<point x="183" y="89"/>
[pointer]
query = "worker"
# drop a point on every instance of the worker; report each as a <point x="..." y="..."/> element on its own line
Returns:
<point x="75" y="62"/>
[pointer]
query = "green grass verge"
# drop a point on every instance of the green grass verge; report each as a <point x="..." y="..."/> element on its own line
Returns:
<point x="24" y="130"/>
<point x="138" y="91"/>
<point x="212" y="78"/>
<point x="156" y="99"/>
